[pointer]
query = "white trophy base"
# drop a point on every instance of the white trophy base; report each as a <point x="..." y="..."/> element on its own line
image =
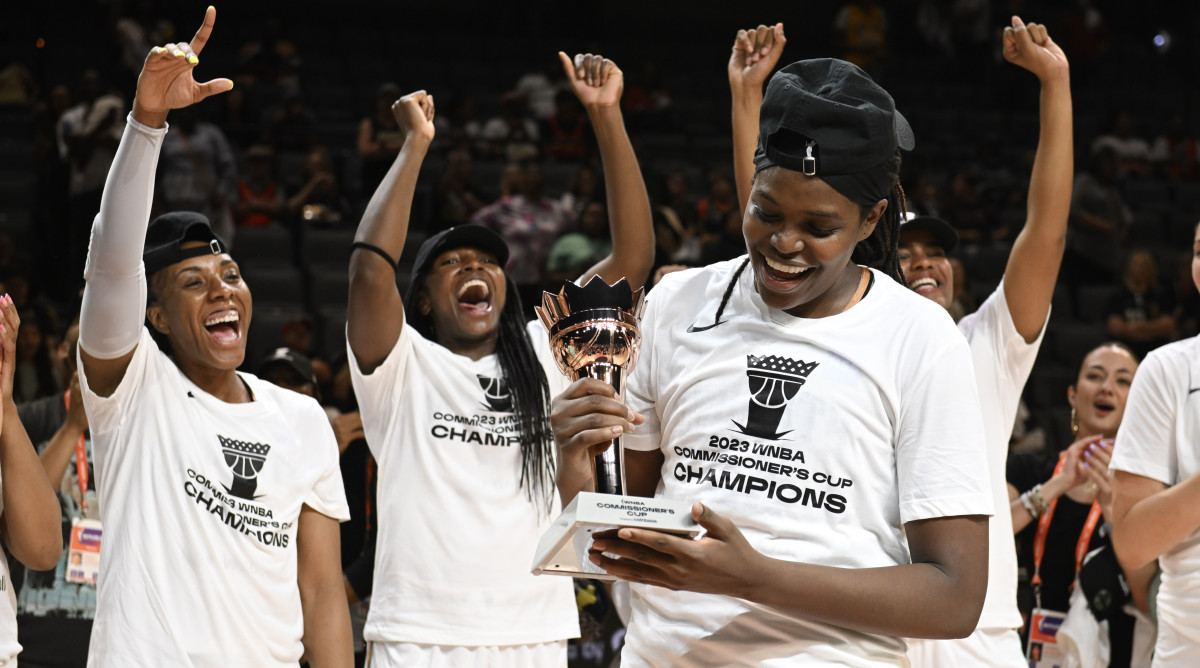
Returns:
<point x="563" y="549"/>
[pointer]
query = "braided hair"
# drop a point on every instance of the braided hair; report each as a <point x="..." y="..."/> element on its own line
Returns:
<point x="881" y="250"/>
<point x="522" y="372"/>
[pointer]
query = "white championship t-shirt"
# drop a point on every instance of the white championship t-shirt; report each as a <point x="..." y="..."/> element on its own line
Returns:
<point x="457" y="532"/>
<point x="819" y="438"/>
<point x="1002" y="361"/>
<point x="1160" y="439"/>
<point x="200" y="501"/>
<point x="9" y="647"/>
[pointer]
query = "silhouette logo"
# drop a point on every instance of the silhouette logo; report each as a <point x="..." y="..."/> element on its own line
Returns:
<point x="245" y="460"/>
<point x="774" y="381"/>
<point x="495" y="394"/>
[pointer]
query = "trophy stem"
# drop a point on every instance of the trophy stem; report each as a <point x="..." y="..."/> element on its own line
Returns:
<point x="610" y="464"/>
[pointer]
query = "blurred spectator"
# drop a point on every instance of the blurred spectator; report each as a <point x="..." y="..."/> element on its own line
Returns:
<point x="379" y="138"/>
<point x="1175" y="153"/>
<point x="291" y="126"/>
<point x="529" y="222"/>
<point x="512" y="135"/>
<point x="566" y="133"/>
<point x="924" y="198"/>
<point x="963" y="210"/>
<point x="34" y="373"/>
<point x="584" y="187"/>
<point x="860" y="30"/>
<point x="539" y="89"/>
<point x="455" y="200"/>
<point x="320" y="199"/>
<point x="972" y="32"/>
<point x="1084" y="34"/>
<point x="297" y="335"/>
<point x="197" y="171"/>
<point x="1141" y="314"/>
<point x="678" y="195"/>
<point x="1132" y="152"/>
<point x="675" y="243"/>
<point x="1098" y="224"/>
<point x="17" y="85"/>
<point x="458" y="127"/>
<point x="717" y="213"/>
<point x="88" y="134"/>
<point x="260" y="196"/>
<point x="137" y="33"/>
<point x="648" y="105"/>
<point x="576" y="252"/>
<point x="934" y="28"/>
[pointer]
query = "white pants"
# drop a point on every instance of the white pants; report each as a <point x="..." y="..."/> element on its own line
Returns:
<point x="994" y="648"/>
<point x="413" y="655"/>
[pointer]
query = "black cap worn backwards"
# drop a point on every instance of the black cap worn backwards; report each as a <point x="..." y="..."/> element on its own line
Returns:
<point x="941" y="231"/>
<point x="461" y="236"/>
<point x="826" y="117"/>
<point x="169" y="232"/>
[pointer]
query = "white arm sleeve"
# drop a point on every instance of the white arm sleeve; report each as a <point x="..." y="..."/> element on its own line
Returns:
<point x="114" y="299"/>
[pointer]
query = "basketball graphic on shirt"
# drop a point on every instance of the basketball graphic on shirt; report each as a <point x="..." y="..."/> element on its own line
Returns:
<point x="245" y="460"/>
<point x="495" y="394"/>
<point x="774" y="381"/>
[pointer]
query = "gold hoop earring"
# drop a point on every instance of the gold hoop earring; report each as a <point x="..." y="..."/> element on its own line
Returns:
<point x="1074" y="423"/>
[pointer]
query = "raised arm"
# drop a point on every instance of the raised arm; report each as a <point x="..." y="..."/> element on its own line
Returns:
<point x="114" y="300"/>
<point x="755" y="53"/>
<point x="598" y="84"/>
<point x="1037" y="252"/>
<point x="32" y="520"/>
<point x="375" y="312"/>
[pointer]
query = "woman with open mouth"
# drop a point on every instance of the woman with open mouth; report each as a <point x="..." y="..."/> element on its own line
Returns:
<point x="221" y="493"/>
<point x="1061" y="504"/>
<point x="822" y="417"/>
<point x="1157" y="487"/>
<point x="454" y="389"/>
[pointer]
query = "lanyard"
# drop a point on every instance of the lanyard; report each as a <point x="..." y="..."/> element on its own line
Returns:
<point x="1039" y="540"/>
<point x="81" y="469"/>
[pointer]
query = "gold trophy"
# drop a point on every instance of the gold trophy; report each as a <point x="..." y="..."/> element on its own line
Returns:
<point x="595" y="332"/>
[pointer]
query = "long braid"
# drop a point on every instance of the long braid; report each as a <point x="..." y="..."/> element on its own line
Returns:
<point x="881" y="249"/>
<point x="530" y="401"/>
<point x="729" y="290"/>
<point x="527" y="385"/>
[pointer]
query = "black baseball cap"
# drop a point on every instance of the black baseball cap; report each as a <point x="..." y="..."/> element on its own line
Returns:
<point x="461" y="236"/>
<point x="826" y="117"/>
<point x="942" y="232"/>
<point x="167" y="234"/>
<point x="290" y="359"/>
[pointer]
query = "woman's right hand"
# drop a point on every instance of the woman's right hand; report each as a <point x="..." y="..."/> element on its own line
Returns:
<point x="166" y="81"/>
<point x="1073" y="472"/>
<point x="755" y="53"/>
<point x="414" y="114"/>
<point x="585" y="418"/>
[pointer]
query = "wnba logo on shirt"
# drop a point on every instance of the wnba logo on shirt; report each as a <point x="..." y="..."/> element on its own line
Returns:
<point x="495" y="394"/>
<point x="774" y="381"/>
<point x="245" y="460"/>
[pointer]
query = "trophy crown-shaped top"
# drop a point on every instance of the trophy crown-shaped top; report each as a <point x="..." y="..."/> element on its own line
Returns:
<point x="595" y="294"/>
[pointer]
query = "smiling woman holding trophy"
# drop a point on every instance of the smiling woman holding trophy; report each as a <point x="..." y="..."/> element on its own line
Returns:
<point x="821" y="418"/>
<point x="454" y="390"/>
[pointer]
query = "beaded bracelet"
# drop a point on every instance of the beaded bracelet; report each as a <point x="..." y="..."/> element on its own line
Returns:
<point x="1040" y="500"/>
<point x="1029" y="507"/>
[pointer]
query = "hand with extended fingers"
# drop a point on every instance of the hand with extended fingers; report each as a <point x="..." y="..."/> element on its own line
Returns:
<point x="1030" y="46"/>
<point x="716" y="563"/>
<point x="595" y="80"/>
<point x="414" y="114"/>
<point x="9" y="323"/>
<point x="755" y="53"/>
<point x="166" y="80"/>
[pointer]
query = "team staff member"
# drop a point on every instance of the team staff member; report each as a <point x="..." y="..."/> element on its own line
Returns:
<point x="220" y="493"/>
<point x="454" y="389"/>
<point x="822" y="416"/>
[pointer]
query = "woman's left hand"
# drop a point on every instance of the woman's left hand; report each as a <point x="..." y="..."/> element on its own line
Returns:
<point x="1095" y="464"/>
<point x="717" y="563"/>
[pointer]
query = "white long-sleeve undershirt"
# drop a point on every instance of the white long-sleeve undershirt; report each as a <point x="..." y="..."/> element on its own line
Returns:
<point x="114" y="299"/>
